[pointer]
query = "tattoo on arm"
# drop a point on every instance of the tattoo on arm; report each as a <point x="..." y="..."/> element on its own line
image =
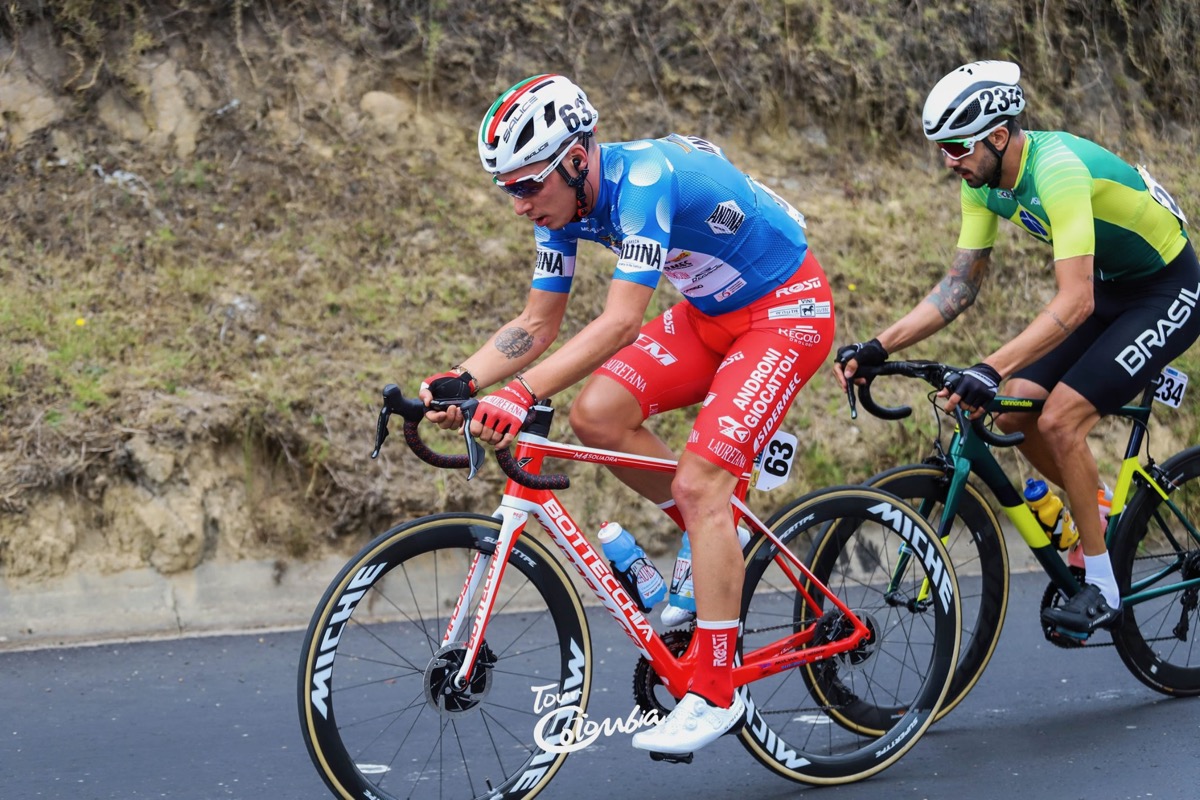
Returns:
<point x="1057" y="320"/>
<point x="514" y="342"/>
<point x="959" y="288"/>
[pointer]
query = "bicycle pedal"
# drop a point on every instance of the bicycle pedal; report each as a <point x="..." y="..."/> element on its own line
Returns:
<point x="672" y="758"/>
<point x="1075" y="637"/>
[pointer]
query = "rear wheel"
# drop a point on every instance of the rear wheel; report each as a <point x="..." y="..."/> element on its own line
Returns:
<point x="804" y="723"/>
<point x="980" y="557"/>
<point x="1155" y="551"/>
<point x="380" y="709"/>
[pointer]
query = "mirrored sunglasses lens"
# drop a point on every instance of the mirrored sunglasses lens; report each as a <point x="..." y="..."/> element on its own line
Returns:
<point x="522" y="188"/>
<point x="956" y="150"/>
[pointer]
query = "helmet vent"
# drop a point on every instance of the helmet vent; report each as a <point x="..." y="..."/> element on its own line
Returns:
<point x="967" y="115"/>
<point x="524" y="136"/>
<point x="548" y="113"/>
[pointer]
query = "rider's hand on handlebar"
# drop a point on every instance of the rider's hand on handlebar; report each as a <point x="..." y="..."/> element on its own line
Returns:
<point x="850" y="357"/>
<point x="972" y="389"/>
<point x="501" y="415"/>
<point x="450" y="389"/>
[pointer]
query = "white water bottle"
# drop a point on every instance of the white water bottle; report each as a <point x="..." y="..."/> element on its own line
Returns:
<point x="681" y="601"/>
<point x="630" y="563"/>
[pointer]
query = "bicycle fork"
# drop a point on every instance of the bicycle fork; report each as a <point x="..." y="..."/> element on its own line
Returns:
<point x="487" y="570"/>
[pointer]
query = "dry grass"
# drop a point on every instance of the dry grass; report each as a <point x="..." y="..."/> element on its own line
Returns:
<point x="292" y="277"/>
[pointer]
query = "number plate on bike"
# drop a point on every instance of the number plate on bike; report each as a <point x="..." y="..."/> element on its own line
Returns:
<point x="776" y="463"/>
<point x="1169" y="386"/>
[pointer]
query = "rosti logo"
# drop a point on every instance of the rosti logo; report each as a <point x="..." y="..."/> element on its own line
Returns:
<point x="733" y="429"/>
<point x="802" y="286"/>
<point x="726" y="218"/>
<point x="640" y="254"/>
<point x="549" y="262"/>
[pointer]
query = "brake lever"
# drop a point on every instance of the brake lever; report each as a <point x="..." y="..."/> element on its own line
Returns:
<point x="475" y="451"/>
<point x="381" y="430"/>
<point x="851" y="398"/>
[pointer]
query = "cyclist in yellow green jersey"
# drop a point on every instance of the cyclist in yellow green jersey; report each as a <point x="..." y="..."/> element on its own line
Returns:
<point x="1128" y="286"/>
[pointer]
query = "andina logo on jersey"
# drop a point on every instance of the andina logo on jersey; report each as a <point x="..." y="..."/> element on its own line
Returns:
<point x="640" y="254"/>
<point x="549" y="262"/>
<point x="726" y="218"/>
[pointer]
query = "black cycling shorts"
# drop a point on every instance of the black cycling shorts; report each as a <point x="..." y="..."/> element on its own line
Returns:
<point x="1137" y="328"/>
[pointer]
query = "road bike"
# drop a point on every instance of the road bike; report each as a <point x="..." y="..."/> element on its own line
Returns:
<point x="451" y="656"/>
<point x="1151" y="534"/>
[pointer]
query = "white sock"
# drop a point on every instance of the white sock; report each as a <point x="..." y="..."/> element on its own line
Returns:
<point x="1100" y="574"/>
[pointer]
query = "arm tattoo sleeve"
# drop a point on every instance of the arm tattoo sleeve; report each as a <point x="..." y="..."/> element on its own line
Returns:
<point x="514" y="342"/>
<point x="958" y="289"/>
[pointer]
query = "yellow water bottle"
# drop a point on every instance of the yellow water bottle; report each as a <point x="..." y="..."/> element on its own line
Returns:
<point x="1048" y="509"/>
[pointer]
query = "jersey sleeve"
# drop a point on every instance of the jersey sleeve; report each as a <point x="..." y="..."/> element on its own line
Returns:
<point x="1065" y="189"/>
<point x="646" y="205"/>
<point x="979" y="224"/>
<point x="555" y="267"/>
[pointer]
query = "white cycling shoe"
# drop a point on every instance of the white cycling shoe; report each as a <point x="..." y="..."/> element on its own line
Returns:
<point x="674" y="615"/>
<point x="693" y="724"/>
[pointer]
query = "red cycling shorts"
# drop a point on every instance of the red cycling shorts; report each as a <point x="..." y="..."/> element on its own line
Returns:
<point x="743" y="367"/>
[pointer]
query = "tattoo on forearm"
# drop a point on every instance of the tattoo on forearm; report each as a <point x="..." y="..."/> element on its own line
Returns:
<point x="514" y="342"/>
<point x="960" y="287"/>
<point x="1057" y="320"/>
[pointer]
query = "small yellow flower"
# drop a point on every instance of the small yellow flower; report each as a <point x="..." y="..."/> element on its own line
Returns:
<point x="852" y="287"/>
<point x="79" y="323"/>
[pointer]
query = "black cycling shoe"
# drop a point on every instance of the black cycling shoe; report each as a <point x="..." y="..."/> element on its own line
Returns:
<point x="1083" y="613"/>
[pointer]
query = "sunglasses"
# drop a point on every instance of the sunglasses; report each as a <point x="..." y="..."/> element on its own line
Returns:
<point x="958" y="149"/>
<point x="529" y="185"/>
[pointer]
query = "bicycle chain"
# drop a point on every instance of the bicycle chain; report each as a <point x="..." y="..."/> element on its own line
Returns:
<point x="646" y="679"/>
<point x="1052" y="597"/>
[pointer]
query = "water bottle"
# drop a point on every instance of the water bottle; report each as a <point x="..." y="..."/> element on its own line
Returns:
<point x="1048" y="509"/>
<point x="1104" y="505"/>
<point x="637" y="572"/>
<point x="681" y="601"/>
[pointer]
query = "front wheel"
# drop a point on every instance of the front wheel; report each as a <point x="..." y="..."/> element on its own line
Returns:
<point x="980" y="557"/>
<point x="1155" y="550"/>
<point x="817" y="723"/>
<point x="380" y="709"/>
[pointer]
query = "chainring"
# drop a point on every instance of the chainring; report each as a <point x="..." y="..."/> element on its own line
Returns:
<point x="646" y="679"/>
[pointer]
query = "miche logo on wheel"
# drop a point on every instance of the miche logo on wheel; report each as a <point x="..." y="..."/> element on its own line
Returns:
<point x="726" y="218"/>
<point x="323" y="666"/>
<point x="939" y="575"/>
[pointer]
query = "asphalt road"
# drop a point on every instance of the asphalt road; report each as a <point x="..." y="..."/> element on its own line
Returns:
<point x="195" y="719"/>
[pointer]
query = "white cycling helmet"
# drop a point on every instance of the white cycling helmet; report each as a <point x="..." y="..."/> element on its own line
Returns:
<point x="531" y="121"/>
<point x="972" y="99"/>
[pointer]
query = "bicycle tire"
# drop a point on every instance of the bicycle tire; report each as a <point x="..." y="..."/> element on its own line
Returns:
<point x="379" y="716"/>
<point x="1156" y="639"/>
<point x="980" y="557"/>
<point x="789" y="725"/>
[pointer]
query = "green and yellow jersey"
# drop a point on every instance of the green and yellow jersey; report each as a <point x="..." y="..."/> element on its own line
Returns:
<point x="1083" y="200"/>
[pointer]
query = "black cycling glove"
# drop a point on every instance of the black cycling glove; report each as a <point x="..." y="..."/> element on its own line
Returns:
<point x="867" y="354"/>
<point x="975" y="387"/>
<point x="451" y="388"/>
